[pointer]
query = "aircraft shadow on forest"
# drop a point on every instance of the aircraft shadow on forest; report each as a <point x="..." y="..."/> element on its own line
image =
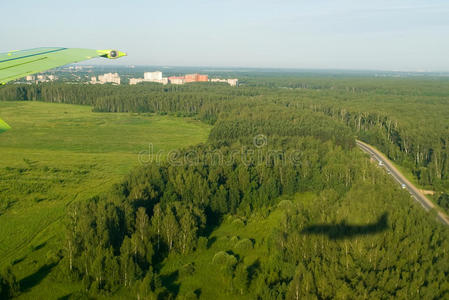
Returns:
<point x="343" y="230"/>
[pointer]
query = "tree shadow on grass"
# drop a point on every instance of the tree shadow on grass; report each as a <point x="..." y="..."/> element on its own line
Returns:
<point x="213" y="222"/>
<point x="76" y="295"/>
<point x="211" y="241"/>
<point x="40" y="246"/>
<point x="253" y="270"/>
<point x="34" y="279"/>
<point x="18" y="260"/>
<point x="197" y="292"/>
<point x="169" y="282"/>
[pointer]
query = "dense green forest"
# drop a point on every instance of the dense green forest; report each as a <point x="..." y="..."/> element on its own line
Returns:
<point x="234" y="217"/>
<point x="405" y="118"/>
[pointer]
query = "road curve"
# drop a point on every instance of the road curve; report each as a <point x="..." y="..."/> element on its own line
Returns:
<point x="414" y="192"/>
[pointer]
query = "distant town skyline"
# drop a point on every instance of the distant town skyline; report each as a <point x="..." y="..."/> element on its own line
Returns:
<point x="396" y="35"/>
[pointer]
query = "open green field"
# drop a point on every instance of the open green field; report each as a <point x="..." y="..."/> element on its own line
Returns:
<point x="57" y="153"/>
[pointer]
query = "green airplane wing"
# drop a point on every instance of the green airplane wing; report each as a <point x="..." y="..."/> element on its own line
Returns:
<point x="3" y="126"/>
<point x="18" y="64"/>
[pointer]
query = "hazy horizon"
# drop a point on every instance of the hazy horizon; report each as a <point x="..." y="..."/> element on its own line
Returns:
<point x="407" y="36"/>
<point x="150" y="68"/>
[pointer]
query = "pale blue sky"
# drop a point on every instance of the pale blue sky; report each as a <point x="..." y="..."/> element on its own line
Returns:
<point x="405" y="35"/>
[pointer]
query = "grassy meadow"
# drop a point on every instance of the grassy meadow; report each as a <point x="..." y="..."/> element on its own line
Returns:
<point x="56" y="154"/>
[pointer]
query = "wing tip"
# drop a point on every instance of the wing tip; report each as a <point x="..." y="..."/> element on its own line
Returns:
<point x="111" y="54"/>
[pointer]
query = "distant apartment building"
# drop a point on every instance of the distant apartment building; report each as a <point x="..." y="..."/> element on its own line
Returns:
<point x="157" y="77"/>
<point x="190" y="78"/>
<point x="41" y="78"/>
<point x="177" y="79"/>
<point x="196" y="78"/>
<point x="135" y="80"/>
<point x="163" y="80"/>
<point x="109" y="78"/>
<point x="152" y="76"/>
<point x="231" y="82"/>
<point x="203" y="78"/>
<point x="113" y="78"/>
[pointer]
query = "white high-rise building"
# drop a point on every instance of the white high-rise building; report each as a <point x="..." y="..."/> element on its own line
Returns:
<point x="233" y="82"/>
<point x="109" y="77"/>
<point x="133" y="81"/>
<point x="152" y="76"/>
<point x="105" y="78"/>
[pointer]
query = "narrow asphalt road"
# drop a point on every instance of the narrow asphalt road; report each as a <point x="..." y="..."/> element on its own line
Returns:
<point x="405" y="184"/>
